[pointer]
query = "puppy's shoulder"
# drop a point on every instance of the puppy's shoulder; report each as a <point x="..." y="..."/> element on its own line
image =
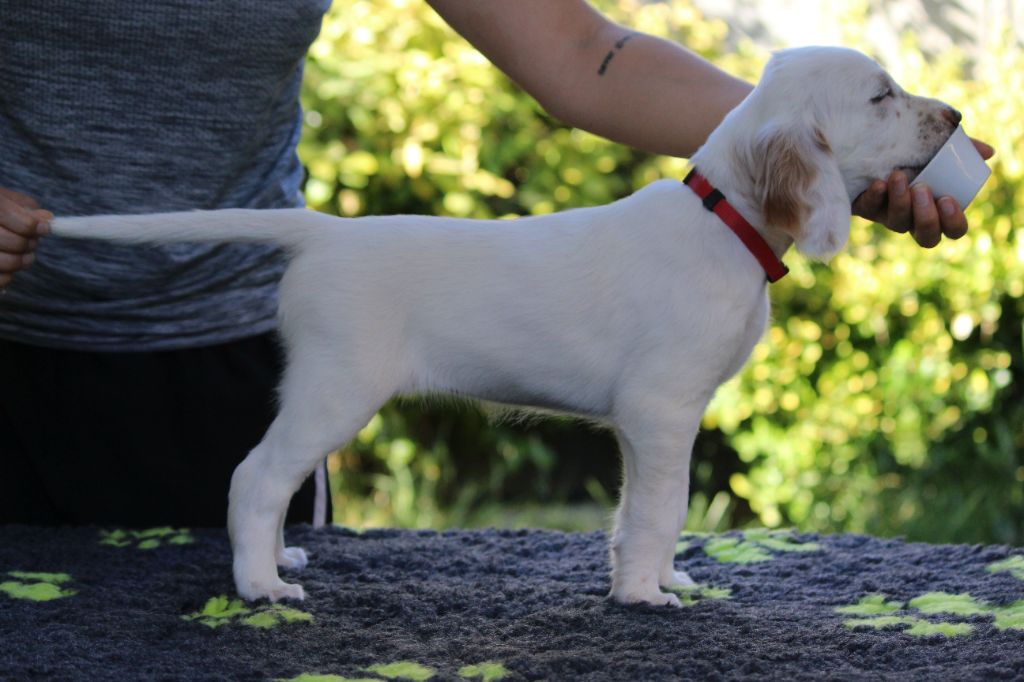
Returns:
<point x="662" y="195"/>
<point x="663" y="190"/>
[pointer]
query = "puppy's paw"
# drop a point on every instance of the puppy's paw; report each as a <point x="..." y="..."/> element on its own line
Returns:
<point x="670" y="579"/>
<point x="287" y="591"/>
<point x="292" y="557"/>
<point x="654" y="597"/>
<point x="274" y="591"/>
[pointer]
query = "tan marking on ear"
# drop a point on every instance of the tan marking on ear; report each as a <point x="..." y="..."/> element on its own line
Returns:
<point x="785" y="175"/>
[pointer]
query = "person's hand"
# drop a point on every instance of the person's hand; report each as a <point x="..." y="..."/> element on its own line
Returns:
<point x="904" y="209"/>
<point x="22" y="222"/>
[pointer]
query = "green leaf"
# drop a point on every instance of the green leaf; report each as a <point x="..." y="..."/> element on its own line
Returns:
<point x="52" y="578"/>
<point x="149" y="538"/>
<point x="182" y="539"/>
<point x="782" y="545"/>
<point x="489" y="671"/>
<point x="870" y="605"/>
<point x="290" y="615"/>
<point x="35" y="591"/>
<point x="155" y="532"/>
<point x="880" y="622"/>
<point x="311" y="677"/>
<point x="707" y="592"/>
<point x="779" y="540"/>
<point x="115" y="543"/>
<point x="732" y="551"/>
<point x="115" y="538"/>
<point x="403" y="670"/>
<point x="758" y="534"/>
<point x="1010" y="617"/>
<point x="924" y="628"/>
<point x="942" y="602"/>
<point x="1014" y="565"/>
<point x="691" y="594"/>
<point x="220" y="608"/>
<point x="264" y="620"/>
<point x="918" y="626"/>
<point x="211" y="622"/>
<point x="216" y="606"/>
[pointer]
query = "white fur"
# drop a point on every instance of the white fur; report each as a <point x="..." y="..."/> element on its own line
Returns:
<point x="631" y="314"/>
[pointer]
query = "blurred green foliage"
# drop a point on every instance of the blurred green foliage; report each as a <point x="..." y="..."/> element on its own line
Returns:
<point x="886" y="397"/>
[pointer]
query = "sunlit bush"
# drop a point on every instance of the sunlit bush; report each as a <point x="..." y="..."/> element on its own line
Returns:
<point x="886" y="395"/>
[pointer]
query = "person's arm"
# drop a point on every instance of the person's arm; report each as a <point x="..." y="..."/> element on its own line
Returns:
<point x="592" y="74"/>
<point x="647" y="93"/>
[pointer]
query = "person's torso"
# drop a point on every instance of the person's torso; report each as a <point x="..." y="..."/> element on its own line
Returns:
<point x="127" y="107"/>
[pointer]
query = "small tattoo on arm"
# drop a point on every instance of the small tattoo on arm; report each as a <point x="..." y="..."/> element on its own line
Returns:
<point x="619" y="44"/>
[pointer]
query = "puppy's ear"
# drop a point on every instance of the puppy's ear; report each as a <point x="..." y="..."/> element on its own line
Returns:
<point x="800" y="189"/>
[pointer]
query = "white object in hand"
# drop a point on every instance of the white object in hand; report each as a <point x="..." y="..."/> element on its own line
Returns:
<point x="957" y="170"/>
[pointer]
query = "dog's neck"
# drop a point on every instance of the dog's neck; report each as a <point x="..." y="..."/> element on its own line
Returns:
<point x="717" y="160"/>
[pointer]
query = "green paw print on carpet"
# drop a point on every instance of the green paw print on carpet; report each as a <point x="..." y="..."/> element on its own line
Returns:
<point x="489" y="671"/>
<point x="755" y="546"/>
<point x="402" y="670"/>
<point x="220" y="611"/>
<point x="311" y="677"/>
<point x="146" y="539"/>
<point x="691" y="594"/>
<point x="878" y="613"/>
<point x="37" y="586"/>
<point x="1013" y="565"/>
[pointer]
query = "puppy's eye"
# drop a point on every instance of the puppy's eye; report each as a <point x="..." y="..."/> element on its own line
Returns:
<point x="877" y="99"/>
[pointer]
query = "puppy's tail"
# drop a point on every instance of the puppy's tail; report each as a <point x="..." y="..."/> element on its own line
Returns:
<point x="286" y="227"/>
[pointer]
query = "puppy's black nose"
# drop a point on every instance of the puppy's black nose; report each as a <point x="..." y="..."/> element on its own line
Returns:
<point x="952" y="115"/>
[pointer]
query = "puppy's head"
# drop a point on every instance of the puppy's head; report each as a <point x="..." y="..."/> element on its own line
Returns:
<point x="826" y="122"/>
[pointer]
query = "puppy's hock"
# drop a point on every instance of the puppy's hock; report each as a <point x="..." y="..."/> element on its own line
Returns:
<point x="630" y="314"/>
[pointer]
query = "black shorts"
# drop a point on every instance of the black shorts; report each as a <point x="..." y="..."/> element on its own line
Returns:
<point x="133" y="439"/>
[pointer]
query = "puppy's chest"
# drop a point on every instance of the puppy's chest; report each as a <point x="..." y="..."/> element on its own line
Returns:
<point x="749" y="333"/>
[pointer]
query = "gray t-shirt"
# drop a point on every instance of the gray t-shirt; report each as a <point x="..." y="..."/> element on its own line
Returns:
<point x="120" y="106"/>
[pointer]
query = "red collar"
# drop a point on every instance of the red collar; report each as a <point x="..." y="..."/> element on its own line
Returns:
<point x="715" y="202"/>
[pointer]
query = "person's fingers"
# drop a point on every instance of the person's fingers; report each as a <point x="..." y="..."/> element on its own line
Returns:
<point x="20" y="220"/>
<point x="927" y="229"/>
<point x="951" y="217"/>
<point x="899" y="212"/>
<point x="986" y="150"/>
<point x="13" y="262"/>
<point x="18" y="198"/>
<point x="13" y="243"/>
<point x="21" y="224"/>
<point x="871" y="202"/>
<point x="43" y="219"/>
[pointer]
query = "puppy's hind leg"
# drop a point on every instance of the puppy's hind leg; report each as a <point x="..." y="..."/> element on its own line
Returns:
<point x="656" y="453"/>
<point x="288" y="557"/>
<point x="320" y="411"/>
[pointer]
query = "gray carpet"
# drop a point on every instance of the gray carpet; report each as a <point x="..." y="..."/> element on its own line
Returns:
<point x="105" y="604"/>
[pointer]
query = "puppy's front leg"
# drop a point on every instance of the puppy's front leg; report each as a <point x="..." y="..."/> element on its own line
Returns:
<point x="656" y="454"/>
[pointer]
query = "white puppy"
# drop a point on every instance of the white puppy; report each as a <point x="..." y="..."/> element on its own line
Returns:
<point x="630" y="314"/>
